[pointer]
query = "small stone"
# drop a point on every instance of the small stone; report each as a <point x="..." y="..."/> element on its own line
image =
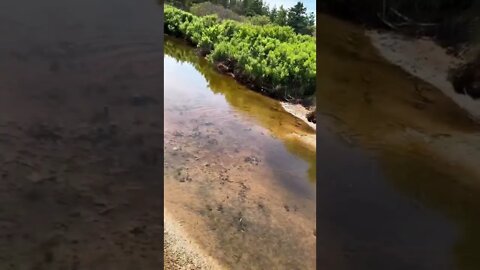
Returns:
<point x="252" y="160"/>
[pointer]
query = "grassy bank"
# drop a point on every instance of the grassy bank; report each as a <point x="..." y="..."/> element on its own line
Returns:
<point x="271" y="59"/>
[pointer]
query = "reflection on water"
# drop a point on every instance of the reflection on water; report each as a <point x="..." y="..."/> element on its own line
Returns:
<point x="399" y="205"/>
<point x="263" y="111"/>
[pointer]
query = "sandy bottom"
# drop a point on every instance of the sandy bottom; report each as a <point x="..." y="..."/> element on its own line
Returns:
<point x="235" y="206"/>
<point x="238" y="180"/>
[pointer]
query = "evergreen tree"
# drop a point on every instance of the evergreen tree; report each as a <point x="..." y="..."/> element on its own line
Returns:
<point x="311" y="19"/>
<point x="273" y="14"/>
<point x="224" y="3"/>
<point x="237" y="6"/>
<point x="281" y="18"/>
<point x="298" y="19"/>
<point x="255" y="8"/>
<point x="245" y="4"/>
<point x="265" y="9"/>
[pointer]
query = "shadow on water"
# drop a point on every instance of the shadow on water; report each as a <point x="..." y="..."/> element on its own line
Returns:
<point x="366" y="223"/>
<point x="398" y="205"/>
<point x="267" y="112"/>
<point x="443" y="191"/>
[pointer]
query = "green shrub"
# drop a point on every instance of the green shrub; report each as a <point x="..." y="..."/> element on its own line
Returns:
<point x="208" y="8"/>
<point x="259" y="20"/>
<point x="273" y="57"/>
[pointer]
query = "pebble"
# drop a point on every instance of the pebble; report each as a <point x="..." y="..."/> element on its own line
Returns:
<point x="252" y="160"/>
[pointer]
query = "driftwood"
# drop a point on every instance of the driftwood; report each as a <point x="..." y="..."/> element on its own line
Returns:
<point x="396" y="12"/>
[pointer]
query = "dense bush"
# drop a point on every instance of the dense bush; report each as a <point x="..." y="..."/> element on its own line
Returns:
<point x="259" y="20"/>
<point x="296" y="16"/>
<point x="272" y="58"/>
<point x="207" y="8"/>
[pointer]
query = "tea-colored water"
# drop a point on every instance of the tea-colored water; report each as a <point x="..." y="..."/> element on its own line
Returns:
<point x="396" y="195"/>
<point x="238" y="173"/>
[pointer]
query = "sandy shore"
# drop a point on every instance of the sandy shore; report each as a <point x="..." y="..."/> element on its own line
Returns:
<point x="426" y="60"/>
<point x="180" y="253"/>
<point x="429" y="62"/>
<point x="301" y="112"/>
<point x="298" y="111"/>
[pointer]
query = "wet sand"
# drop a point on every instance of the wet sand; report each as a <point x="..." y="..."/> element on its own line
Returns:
<point x="429" y="62"/>
<point x="180" y="251"/>
<point x="426" y="60"/>
<point x="298" y="111"/>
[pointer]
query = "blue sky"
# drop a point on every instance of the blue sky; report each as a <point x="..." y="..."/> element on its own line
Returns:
<point x="311" y="5"/>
